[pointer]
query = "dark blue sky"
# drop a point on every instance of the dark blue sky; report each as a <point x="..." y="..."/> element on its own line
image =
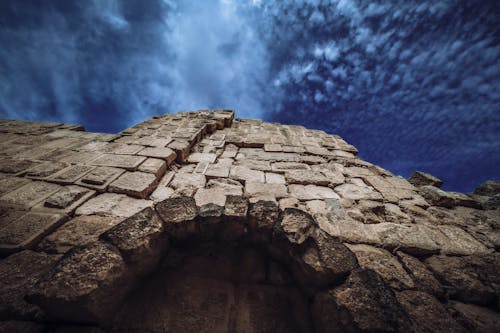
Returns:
<point x="415" y="85"/>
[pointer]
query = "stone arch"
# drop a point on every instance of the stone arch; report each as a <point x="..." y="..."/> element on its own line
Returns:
<point x="90" y="283"/>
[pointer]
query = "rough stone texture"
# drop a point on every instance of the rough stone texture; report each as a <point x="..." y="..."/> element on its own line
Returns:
<point x="18" y="273"/>
<point x="470" y="279"/>
<point x="385" y="264"/>
<point x="26" y="231"/>
<point x="136" y="184"/>
<point x="364" y="303"/>
<point x="141" y="240"/>
<point x="421" y="179"/>
<point x="305" y="207"/>
<point x="111" y="204"/>
<point x="84" y="286"/>
<point x="427" y="314"/>
<point x="79" y="231"/>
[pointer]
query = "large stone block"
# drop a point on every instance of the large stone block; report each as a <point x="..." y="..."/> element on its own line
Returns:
<point x="178" y="215"/>
<point x="85" y="286"/>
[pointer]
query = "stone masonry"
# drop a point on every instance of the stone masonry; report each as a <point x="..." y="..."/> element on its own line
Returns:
<point x="199" y="222"/>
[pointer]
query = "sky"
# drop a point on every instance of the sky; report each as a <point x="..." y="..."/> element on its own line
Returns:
<point x="414" y="85"/>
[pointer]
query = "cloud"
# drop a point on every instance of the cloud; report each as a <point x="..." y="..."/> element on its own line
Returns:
<point x="413" y="85"/>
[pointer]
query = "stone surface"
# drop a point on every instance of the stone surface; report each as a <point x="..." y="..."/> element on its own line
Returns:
<point x="78" y="231"/>
<point x="306" y="177"/>
<point x="426" y="313"/>
<point x="141" y="240"/>
<point x="136" y="184"/>
<point x="363" y="303"/>
<point x="210" y="196"/>
<point x="99" y="178"/>
<point x="178" y="213"/>
<point x="84" y="286"/>
<point x="18" y="273"/>
<point x="424" y="280"/>
<point x="312" y="192"/>
<point x="442" y="198"/>
<point x="419" y="178"/>
<point x="188" y="180"/>
<point x="385" y="264"/>
<point x="474" y="318"/>
<point x="111" y="204"/>
<point x="259" y="189"/>
<point x="128" y="162"/>
<point x="470" y="279"/>
<point x="489" y="188"/>
<point x="26" y="231"/>
<point x="155" y="166"/>
<point x="164" y="153"/>
<point x="28" y="195"/>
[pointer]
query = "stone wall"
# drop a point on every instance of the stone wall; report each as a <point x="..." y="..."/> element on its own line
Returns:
<point x="196" y="221"/>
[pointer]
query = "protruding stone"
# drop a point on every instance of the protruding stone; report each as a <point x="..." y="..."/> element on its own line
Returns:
<point x="85" y="286"/>
<point x="178" y="213"/>
<point x="18" y="273"/>
<point x="263" y="214"/>
<point x="164" y="153"/>
<point x="136" y="184"/>
<point x="419" y="179"/>
<point x="141" y="240"/>
<point x="382" y="262"/>
<point x="475" y="318"/>
<point x="364" y="303"/>
<point x="210" y="195"/>
<point x="442" y="198"/>
<point x="426" y="313"/>
<point x="471" y="279"/>
<point x="489" y="188"/>
<point x="423" y="278"/>
<point x="322" y="260"/>
<point x="128" y="162"/>
<point x="155" y="166"/>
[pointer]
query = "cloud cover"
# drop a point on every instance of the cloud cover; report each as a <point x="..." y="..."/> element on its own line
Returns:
<point x="414" y="85"/>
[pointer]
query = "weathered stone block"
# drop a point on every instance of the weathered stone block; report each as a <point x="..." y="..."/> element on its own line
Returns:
<point x="85" y="286"/>
<point x="26" y="231"/>
<point x="28" y="195"/>
<point x="141" y="240"/>
<point x="111" y="204"/>
<point x="178" y="215"/>
<point x="18" y="273"/>
<point x="99" y="178"/>
<point x="421" y="179"/>
<point x="136" y="184"/>
<point x="128" y="162"/>
<point x="164" y="153"/>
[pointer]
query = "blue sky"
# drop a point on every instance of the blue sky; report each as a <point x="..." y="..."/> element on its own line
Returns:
<point x="415" y="85"/>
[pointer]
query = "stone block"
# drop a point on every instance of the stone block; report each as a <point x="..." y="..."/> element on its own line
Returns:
<point x="155" y="166"/>
<point x="255" y="189"/>
<point x="163" y="153"/>
<point x="306" y="177"/>
<point x="136" y="184"/>
<point x="274" y="178"/>
<point x="423" y="278"/>
<point x="364" y="303"/>
<point x="281" y="167"/>
<point x="79" y="231"/>
<point x="26" y="231"/>
<point x="86" y="286"/>
<point x="178" y="215"/>
<point x="44" y="170"/>
<point x="385" y="264"/>
<point x="99" y="178"/>
<point x="28" y="195"/>
<point x="128" y="162"/>
<point x="356" y="192"/>
<point x="8" y="183"/>
<point x="419" y="178"/>
<point x="188" y="180"/>
<point x="66" y="200"/>
<point x="18" y="273"/>
<point x="202" y="157"/>
<point x="141" y="240"/>
<point x="111" y="204"/>
<point x="426" y="313"/>
<point x="70" y="174"/>
<point x="312" y="192"/>
<point x="215" y="196"/>
<point x="245" y="174"/>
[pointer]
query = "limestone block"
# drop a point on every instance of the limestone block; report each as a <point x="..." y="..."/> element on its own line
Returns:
<point x="99" y="178"/>
<point x="128" y="162"/>
<point x="426" y="313"/>
<point x="70" y="174"/>
<point x="18" y="273"/>
<point x="78" y="231"/>
<point x="188" y="180"/>
<point x="257" y="189"/>
<point x="215" y="196"/>
<point x="155" y="166"/>
<point x="112" y="204"/>
<point x="26" y="231"/>
<point x="85" y="286"/>
<point x="136" y="184"/>
<point x="141" y="240"/>
<point x="8" y="183"/>
<point x="274" y="178"/>
<point x="306" y="177"/>
<point x="178" y="215"/>
<point x="475" y="318"/>
<point x="385" y="264"/>
<point x="202" y="157"/>
<point x="356" y="192"/>
<point x="245" y="174"/>
<point x="419" y="178"/>
<point x="28" y="195"/>
<point x="163" y="153"/>
<point x="228" y="186"/>
<point x="423" y="278"/>
<point x="312" y="192"/>
<point x="364" y="303"/>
